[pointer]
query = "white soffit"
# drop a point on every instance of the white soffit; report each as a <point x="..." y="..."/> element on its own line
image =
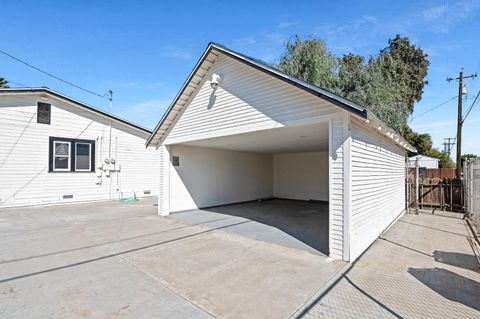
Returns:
<point x="304" y="138"/>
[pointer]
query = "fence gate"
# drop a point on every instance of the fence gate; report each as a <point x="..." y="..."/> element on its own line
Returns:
<point x="424" y="192"/>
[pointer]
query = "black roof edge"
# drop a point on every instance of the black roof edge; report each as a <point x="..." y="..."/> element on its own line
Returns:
<point x="264" y="67"/>
<point x="310" y="88"/>
<point x="180" y="92"/>
<point x="76" y="102"/>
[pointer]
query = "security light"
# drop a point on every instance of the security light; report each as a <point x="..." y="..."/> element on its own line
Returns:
<point x="216" y="79"/>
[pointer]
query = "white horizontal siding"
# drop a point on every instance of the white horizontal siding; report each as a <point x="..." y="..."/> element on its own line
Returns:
<point x="24" y="176"/>
<point x="378" y="185"/>
<point x="164" y="185"/>
<point x="246" y="100"/>
<point x="336" y="188"/>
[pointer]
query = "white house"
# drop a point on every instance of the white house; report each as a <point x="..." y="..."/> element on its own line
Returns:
<point x="423" y="161"/>
<point x="240" y="130"/>
<point x="55" y="149"/>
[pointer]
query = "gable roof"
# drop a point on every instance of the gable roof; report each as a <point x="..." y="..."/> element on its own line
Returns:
<point x="70" y="100"/>
<point x="208" y="59"/>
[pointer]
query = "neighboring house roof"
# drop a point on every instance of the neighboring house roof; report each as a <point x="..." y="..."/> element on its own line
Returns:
<point x="70" y="100"/>
<point x="423" y="157"/>
<point x="207" y="60"/>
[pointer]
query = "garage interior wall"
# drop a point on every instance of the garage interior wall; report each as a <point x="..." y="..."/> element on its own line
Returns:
<point x="301" y="176"/>
<point x="208" y="177"/>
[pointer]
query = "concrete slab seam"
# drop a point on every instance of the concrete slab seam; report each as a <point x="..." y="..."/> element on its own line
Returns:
<point x="164" y="285"/>
<point x="332" y="281"/>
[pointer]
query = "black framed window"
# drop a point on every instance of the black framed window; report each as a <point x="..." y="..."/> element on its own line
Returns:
<point x="71" y="155"/>
<point x="61" y="156"/>
<point x="43" y="113"/>
<point x="83" y="156"/>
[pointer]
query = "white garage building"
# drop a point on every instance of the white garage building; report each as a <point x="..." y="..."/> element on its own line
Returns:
<point x="57" y="150"/>
<point x="240" y="130"/>
<point x="423" y="161"/>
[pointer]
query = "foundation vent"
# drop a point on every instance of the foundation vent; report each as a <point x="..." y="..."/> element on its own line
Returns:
<point x="68" y="196"/>
<point x="147" y="192"/>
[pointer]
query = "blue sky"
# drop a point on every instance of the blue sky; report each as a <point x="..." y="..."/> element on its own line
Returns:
<point x="144" y="50"/>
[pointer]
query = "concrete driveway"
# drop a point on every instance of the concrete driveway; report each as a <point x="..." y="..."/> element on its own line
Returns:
<point x="117" y="260"/>
<point x="423" y="267"/>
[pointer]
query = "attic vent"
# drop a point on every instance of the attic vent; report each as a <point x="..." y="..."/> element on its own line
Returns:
<point x="147" y="192"/>
<point x="69" y="196"/>
<point x="43" y="113"/>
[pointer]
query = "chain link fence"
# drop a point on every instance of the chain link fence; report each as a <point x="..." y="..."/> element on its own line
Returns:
<point x="471" y="173"/>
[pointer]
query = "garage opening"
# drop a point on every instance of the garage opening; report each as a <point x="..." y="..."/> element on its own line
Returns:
<point x="270" y="185"/>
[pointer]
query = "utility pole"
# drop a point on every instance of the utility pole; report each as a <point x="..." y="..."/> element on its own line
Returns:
<point x="447" y="146"/>
<point x="460" y="79"/>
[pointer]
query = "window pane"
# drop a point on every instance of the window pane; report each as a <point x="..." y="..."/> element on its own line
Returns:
<point x="61" y="162"/>
<point x="82" y="159"/>
<point x="61" y="148"/>
<point x="83" y="149"/>
<point x="83" y="162"/>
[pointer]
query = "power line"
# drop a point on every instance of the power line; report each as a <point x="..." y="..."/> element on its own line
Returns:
<point x="471" y="107"/>
<point x="435" y="107"/>
<point x="51" y="75"/>
<point x="478" y="66"/>
<point x="17" y="83"/>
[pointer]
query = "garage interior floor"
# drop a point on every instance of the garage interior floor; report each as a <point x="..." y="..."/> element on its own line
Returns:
<point x="296" y="224"/>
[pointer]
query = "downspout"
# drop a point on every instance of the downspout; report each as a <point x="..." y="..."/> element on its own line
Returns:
<point x="110" y="142"/>
<point x="110" y="126"/>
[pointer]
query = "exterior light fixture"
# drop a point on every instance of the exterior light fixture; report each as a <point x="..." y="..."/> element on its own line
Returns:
<point x="216" y="80"/>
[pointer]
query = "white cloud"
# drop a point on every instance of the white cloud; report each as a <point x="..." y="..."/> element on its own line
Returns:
<point x="441" y="18"/>
<point x="286" y="24"/>
<point x="348" y="36"/>
<point x="244" y="41"/>
<point x="176" y="52"/>
<point x="276" y="38"/>
<point x="146" y="113"/>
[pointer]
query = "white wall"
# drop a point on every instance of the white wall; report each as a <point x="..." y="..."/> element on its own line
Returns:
<point x="209" y="177"/>
<point x="424" y="161"/>
<point x="302" y="176"/>
<point x="336" y="206"/>
<point x="246" y="100"/>
<point x="378" y="186"/>
<point x="24" y="147"/>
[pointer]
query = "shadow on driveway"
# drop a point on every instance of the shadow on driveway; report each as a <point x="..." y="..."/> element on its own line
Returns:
<point x="461" y="260"/>
<point x="450" y="285"/>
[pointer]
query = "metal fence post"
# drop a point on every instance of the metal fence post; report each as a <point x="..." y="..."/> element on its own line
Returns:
<point x="416" y="185"/>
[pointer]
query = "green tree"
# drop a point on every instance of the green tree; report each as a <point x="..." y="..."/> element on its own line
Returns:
<point x="3" y="83"/>
<point x="355" y="79"/>
<point x="388" y="84"/>
<point x="412" y="69"/>
<point x="310" y="61"/>
<point x="466" y="157"/>
<point x="385" y="94"/>
<point x="422" y="142"/>
<point x="445" y="160"/>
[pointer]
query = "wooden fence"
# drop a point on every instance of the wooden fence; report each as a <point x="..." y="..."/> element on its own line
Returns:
<point x="441" y="173"/>
<point x="437" y="194"/>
